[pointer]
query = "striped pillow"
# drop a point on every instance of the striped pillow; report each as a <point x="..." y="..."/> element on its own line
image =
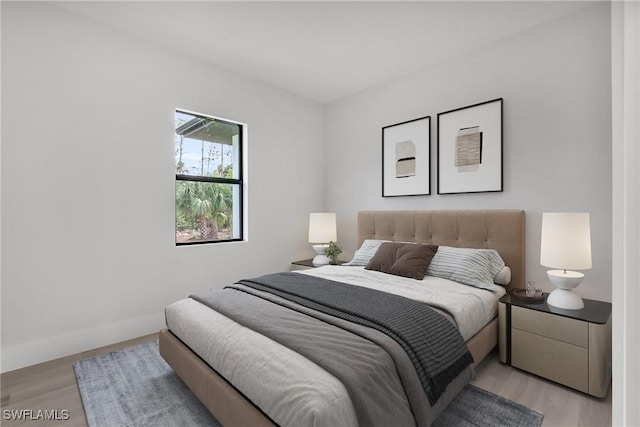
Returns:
<point x="504" y="277"/>
<point x="365" y="253"/>
<point x="474" y="267"/>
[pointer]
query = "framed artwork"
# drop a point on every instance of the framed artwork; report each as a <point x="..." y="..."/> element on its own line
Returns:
<point x="470" y="149"/>
<point x="406" y="163"/>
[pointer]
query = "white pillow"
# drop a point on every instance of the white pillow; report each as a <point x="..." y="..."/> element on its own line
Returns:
<point x="367" y="250"/>
<point x="474" y="267"/>
<point x="504" y="277"/>
<point x="496" y="263"/>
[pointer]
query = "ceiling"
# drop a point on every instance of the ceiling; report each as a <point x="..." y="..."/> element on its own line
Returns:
<point x="323" y="50"/>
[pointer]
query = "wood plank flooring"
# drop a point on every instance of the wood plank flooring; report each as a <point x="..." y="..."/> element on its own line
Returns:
<point x="52" y="385"/>
<point x="561" y="406"/>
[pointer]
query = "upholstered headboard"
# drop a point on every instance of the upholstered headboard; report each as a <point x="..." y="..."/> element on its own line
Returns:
<point x="502" y="230"/>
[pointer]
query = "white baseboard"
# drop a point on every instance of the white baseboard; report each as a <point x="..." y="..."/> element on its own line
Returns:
<point x="56" y="346"/>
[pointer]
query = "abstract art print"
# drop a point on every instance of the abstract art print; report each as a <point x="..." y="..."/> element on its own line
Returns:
<point x="406" y="159"/>
<point x="470" y="149"/>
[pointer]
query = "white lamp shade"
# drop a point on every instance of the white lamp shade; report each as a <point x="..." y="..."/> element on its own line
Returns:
<point x="565" y="241"/>
<point x="322" y="227"/>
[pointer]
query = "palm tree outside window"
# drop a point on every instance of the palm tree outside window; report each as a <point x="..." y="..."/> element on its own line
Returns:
<point x="209" y="179"/>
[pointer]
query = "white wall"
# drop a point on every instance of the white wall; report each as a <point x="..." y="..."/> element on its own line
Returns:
<point x="556" y="83"/>
<point x="625" y="64"/>
<point x="85" y="107"/>
<point x="88" y="253"/>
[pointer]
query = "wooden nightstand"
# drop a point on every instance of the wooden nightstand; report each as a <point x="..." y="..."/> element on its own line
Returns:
<point x="306" y="264"/>
<point x="571" y="347"/>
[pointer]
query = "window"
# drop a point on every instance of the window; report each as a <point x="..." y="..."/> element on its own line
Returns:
<point x="208" y="179"/>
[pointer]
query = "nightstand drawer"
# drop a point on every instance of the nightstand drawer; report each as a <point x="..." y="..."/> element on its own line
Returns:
<point x="560" y="328"/>
<point x="570" y="347"/>
<point x="558" y="361"/>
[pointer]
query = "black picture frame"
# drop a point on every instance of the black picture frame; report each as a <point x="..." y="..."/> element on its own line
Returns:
<point x="406" y="158"/>
<point x="470" y="149"/>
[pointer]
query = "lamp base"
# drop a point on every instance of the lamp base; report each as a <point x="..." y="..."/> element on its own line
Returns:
<point x="566" y="299"/>
<point x="321" y="258"/>
<point x="565" y="279"/>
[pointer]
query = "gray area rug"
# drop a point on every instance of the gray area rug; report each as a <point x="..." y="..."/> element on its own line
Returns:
<point x="135" y="387"/>
<point x="475" y="407"/>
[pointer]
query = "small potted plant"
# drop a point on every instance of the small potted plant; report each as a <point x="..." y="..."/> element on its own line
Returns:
<point x="332" y="252"/>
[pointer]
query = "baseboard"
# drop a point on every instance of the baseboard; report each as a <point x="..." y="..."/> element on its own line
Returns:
<point x="56" y="346"/>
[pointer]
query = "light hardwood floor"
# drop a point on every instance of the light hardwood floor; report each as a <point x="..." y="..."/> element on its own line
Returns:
<point x="561" y="406"/>
<point x="52" y="385"/>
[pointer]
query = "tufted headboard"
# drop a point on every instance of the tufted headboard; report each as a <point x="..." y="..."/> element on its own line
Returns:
<point x="502" y="230"/>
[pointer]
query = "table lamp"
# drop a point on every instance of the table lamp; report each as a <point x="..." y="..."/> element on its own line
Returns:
<point x="565" y="245"/>
<point x="322" y="230"/>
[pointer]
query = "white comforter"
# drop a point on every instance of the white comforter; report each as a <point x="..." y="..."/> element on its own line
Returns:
<point x="292" y="390"/>
<point x="472" y="308"/>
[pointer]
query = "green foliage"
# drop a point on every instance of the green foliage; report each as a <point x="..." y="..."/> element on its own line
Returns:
<point x="332" y="252"/>
<point x="203" y="206"/>
<point x="184" y="222"/>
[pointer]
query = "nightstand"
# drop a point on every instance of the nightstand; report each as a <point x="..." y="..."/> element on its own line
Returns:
<point x="570" y="347"/>
<point x="306" y="264"/>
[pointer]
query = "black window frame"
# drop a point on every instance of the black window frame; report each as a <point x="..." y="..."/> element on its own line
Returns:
<point x="236" y="181"/>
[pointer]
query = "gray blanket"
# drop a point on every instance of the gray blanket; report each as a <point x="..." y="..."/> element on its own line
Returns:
<point x="434" y="345"/>
<point x="380" y="378"/>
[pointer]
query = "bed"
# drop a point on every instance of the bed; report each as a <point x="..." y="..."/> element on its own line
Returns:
<point x="228" y="397"/>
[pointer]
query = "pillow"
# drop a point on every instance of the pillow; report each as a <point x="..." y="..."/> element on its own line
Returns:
<point x="496" y="263"/>
<point x="365" y="253"/>
<point x="403" y="259"/>
<point x="474" y="267"/>
<point x="504" y="277"/>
